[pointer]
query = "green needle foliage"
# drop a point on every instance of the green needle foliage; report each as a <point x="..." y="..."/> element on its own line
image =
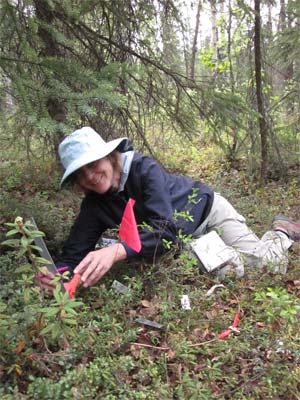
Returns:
<point x="68" y="64"/>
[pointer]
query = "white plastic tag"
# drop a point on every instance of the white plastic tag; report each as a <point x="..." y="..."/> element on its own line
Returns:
<point x="185" y="302"/>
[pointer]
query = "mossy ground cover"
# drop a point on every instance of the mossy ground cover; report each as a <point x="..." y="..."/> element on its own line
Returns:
<point x="109" y="355"/>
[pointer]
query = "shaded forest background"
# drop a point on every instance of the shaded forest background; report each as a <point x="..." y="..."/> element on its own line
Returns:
<point x="226" y="72"/>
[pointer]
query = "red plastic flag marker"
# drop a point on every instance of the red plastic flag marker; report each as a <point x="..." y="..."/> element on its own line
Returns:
<point x="72" y="285"/>
<point x="128" y="230"/>
<point x="232" y="328"/>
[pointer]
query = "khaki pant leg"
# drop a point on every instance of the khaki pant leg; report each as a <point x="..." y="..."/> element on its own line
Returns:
<point x="231" y="226"/>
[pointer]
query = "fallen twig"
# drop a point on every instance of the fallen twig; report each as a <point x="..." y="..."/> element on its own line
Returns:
<point x="202" y="343"/>
<point x="150" y="346"/>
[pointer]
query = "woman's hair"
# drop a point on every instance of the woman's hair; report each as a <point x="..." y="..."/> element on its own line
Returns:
<point x="115" y="159"/>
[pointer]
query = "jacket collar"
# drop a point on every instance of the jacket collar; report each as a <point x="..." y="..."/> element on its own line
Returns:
<point x="126" y="160"/>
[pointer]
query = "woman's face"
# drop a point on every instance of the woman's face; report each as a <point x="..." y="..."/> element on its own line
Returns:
<point x="98" y="176"/>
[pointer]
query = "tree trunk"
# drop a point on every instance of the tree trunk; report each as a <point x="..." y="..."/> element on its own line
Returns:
<point x="194" y="47"/>
<point x="214" y="35"/>
<point x="232" y="83"/>
<point x="287" y="70"/>
<point x="259" y="95"/>
<point x="282" y="17"/>
<point x="56" y="108"/>
<point x="169" y="50"/>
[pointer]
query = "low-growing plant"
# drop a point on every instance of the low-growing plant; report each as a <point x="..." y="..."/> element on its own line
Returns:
<point x="278" y="304"/>
<point x="26" y="323"/>
<point x="60" y="316"/>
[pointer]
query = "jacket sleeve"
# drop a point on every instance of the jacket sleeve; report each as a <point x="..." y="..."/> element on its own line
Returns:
<point x="83" y="236"/>
<point x="158" y="223"/>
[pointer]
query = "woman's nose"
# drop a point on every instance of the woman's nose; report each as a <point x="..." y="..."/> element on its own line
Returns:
<point x="88" y="173"/>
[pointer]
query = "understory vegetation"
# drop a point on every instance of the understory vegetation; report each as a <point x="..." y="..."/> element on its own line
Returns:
<point x="94" y="347"/>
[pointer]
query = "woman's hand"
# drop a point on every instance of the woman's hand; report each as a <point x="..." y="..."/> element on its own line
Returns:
<point x="98" y="262"/>
<point x="43" y="280"/>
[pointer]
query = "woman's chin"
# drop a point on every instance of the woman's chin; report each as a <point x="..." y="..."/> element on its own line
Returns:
<point x="105" y="189"/>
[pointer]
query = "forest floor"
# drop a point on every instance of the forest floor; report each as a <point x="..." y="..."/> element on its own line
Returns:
<point x="107" y="353"/>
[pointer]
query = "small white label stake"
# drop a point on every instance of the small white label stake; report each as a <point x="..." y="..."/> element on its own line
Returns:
<point x="185" y="302"/>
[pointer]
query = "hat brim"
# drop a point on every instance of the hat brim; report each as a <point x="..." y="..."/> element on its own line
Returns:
<point x="91" y="156"/>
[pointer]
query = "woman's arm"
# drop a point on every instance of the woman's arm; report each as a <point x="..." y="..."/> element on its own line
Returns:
<point x="83" y="237"/>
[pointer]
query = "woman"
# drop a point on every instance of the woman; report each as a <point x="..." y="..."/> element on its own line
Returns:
<point x="110" y="173"/>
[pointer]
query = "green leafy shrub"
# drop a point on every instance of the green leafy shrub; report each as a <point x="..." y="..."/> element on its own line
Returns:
<point x="26" y="323"/>
<point x="278" y="304"/>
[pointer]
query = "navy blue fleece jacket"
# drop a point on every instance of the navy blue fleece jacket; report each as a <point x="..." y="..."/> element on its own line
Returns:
<point x="160" y="198"/>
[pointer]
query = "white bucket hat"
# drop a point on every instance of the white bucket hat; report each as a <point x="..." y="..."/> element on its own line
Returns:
<point x="84" y="146"/>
